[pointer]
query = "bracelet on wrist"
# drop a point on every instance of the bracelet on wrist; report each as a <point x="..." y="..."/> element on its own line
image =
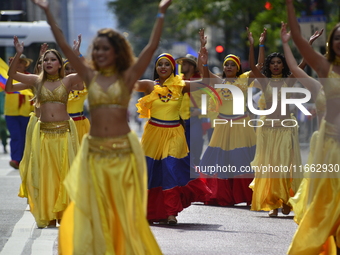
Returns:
<point x="80" y="55"/>
<point x="160" y="15"/>
<point x="204" y="64"/>
<point x="261" y="45"/>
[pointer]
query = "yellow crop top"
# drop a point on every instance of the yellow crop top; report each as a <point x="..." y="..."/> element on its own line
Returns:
<point x="116" y="96"/>
<point x="332" y="86"/>
<point x="58" y="95"/>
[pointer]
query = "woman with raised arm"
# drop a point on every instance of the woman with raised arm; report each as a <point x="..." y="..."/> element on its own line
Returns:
<point x="301" y="199"/>
<point x="319" y="228"/>
<point x="231" y="145"/>
<point x="276" y="145"/>
<point x="54" y="142"/>
<point x="172" y="182"/>
<point x="107" y="181"/>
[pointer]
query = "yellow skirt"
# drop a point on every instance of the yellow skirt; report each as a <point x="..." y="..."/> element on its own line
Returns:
<point x="83" y="127"/>
<point x="277" y="152"/>
<point x="24" y="163"/>
<point x="301" y="200"/>
<point x="107" y="186"/>
<point x="54" y="146"/>
<point x="321" y="221"/>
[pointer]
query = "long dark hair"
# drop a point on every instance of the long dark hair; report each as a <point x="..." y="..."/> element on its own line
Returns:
<point x="266" y="69"/>
<point x="330" y="54"/>
<point x="123" y="50"/>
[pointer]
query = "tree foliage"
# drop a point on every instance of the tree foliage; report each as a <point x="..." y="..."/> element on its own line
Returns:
<point x="138" y="16"/>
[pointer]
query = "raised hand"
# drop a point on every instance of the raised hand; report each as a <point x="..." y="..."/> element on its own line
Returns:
<point x="43" y="49"/>
<point x="263" y="36"/>
<point x="250" y="37"/>
<point x="43" y="4"/>
<point x="19" y="47"/>
<point x="203" y="38"/>
<point x="315" y="36"/>
<point x="76" y="45"/>
<point x="163" y="5"/>
<point x="285" y="36"/>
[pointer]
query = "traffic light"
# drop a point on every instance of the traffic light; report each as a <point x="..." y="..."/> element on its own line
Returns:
<point x="268" y="6"/>
<point x="220" y="52"/>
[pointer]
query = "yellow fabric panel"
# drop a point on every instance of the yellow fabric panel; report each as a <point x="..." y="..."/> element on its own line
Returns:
<point x="24" y="163"/>
<point x="229" y="137"/>
<point x="109" y="193"/>
<point x="275" y="146"/>
<point x="12" y="105"/>
<point x="83" y="127"/>
<point x="159" y="142"/>
<point x="321" y="221"/>
<point x="301" y="201"/>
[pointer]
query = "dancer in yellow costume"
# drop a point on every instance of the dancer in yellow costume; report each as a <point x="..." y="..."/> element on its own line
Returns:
<point x="54" y="142"/>
<point x="75" y="107"/>
<point x="231" y="144"/>
<point x="171" y="182"/>
<point x="319" y="228"/>
<point x="107" y="181"/>
<point x="301" y="199"/>
<point x="276" y="145"/>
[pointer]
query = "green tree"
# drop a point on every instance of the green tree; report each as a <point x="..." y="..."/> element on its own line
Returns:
<point x="137" y="17"/>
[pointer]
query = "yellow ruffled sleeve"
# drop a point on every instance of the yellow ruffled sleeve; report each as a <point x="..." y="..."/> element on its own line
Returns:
<point x="174" y="84"/>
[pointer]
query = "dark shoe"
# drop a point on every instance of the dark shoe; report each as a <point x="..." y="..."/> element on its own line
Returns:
<point x="14" y="164"/>
<point x="285" y="209"/>
<point x="172" y="220"/>
<point x="273" y="213"/>
<point x="52" y="224"/>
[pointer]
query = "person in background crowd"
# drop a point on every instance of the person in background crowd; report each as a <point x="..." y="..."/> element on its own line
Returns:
<point x="18" y="106"/>
<point x="190" y="110"/>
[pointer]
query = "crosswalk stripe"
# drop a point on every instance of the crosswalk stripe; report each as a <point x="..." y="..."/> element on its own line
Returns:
<point x="20" y="235"/>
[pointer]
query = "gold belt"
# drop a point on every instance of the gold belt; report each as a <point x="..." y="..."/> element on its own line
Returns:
<point x="109" y="145"/>
<point x="55" y="127"/>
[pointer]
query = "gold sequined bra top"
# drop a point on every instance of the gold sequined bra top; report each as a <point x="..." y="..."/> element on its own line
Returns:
<point x="115" y="96"/>
<point x="57" y="95"/>
<point x="332" y="86"/>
